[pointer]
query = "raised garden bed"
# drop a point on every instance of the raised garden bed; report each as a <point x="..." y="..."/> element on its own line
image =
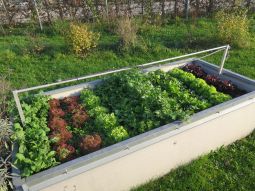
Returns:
<point x="158" y="118"/>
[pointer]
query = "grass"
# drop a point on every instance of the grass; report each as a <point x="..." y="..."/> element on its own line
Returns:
<point x="34" y="58"/>
<point x="31" y="57"/>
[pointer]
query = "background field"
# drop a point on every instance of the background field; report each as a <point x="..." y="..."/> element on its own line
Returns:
<point x="32" y="57"/>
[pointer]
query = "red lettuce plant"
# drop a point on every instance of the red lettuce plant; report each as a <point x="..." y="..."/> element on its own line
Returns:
<point x="71" y="107"/>
<point x="61" y="114"/>
<point x="222" y="85"/>
<point x="196" y="70"/>
<point x="65" y="152"/>
<point x="70" y="100"/>
<point x="60" y="135"/>
<point x="90" y="143"/>
<point x="57" y="123"/>
<point x="56" y="112"/>
<point x="225" y="86"/>
<point x="79" y="118"/>
<point x="70" y="104"/>
<point x="54" y="103"/>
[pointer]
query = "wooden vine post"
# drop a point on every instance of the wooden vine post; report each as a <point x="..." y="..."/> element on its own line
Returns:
<point x="187" y="7"/>
<point x="162" y="9"/>
<point x="38" y="16"/>
<point x="106" y="8"/>
<point x="176" y="10"/>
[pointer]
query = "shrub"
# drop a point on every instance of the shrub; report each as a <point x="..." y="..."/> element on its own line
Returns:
<point x="233" y="28"/>
<point x="3" y="186"/>
<point x="127" y="31"/>
<point x="5" y="133"/>
<point x="81" y="39"/>
<point x="5" y="174"/>
<point x="5" y="154"/>
<point x="5" y="88"/>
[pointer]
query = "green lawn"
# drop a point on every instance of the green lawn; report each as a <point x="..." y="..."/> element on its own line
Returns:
<point x="31" y="58"/>
<point x="34" y="58"/>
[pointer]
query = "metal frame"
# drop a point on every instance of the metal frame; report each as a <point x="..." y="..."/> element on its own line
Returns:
<point x="224" y="59"/>
<point x="16" y="92"/>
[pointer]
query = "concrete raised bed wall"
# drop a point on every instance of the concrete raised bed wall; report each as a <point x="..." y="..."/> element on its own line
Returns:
<point x="154" y="153"/>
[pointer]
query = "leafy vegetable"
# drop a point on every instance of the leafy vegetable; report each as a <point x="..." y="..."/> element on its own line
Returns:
<point x="66" y="119"/>
<point x="90" y="143"/>
<point x="188" y="100"/>
<point x="200" y="87"/>
<point x="123" y="105"/>
<point x="34" y="152"/>
<point x="225" y="86"/>
<point x="137" y="103"/>
<point x="104" y="122"/>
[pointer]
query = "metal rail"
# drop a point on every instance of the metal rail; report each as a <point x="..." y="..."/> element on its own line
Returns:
<point x="16" y="92"/>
